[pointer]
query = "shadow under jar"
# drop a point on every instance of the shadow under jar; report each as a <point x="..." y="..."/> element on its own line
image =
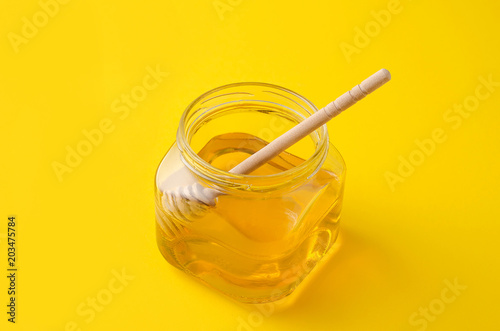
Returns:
<point x="267" y="230"/>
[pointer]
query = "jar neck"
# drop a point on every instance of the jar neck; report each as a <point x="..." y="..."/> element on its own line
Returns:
<point x="219" y="102"/>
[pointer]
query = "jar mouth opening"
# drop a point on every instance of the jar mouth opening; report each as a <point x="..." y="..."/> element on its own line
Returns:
<point x="196" y="112"/>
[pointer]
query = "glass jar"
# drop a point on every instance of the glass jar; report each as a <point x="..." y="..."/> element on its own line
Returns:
<point x="262" y="233"/>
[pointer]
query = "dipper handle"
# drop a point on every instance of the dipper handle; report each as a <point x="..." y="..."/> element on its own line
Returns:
<point x="346" y="100"/>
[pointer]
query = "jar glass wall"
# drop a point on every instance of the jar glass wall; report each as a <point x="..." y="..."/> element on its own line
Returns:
<point x="264" y="232"/>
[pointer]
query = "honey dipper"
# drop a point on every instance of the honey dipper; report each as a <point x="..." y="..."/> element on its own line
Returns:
<point x="193" y="199"/>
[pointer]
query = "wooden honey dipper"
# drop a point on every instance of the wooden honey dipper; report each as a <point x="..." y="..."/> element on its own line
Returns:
<point x="192" y="200"/>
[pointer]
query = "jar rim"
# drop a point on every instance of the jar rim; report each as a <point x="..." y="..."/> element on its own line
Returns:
<point x="226" y="179"/>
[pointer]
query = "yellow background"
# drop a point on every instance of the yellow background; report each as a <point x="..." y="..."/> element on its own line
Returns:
<point x="398" y="247"/>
